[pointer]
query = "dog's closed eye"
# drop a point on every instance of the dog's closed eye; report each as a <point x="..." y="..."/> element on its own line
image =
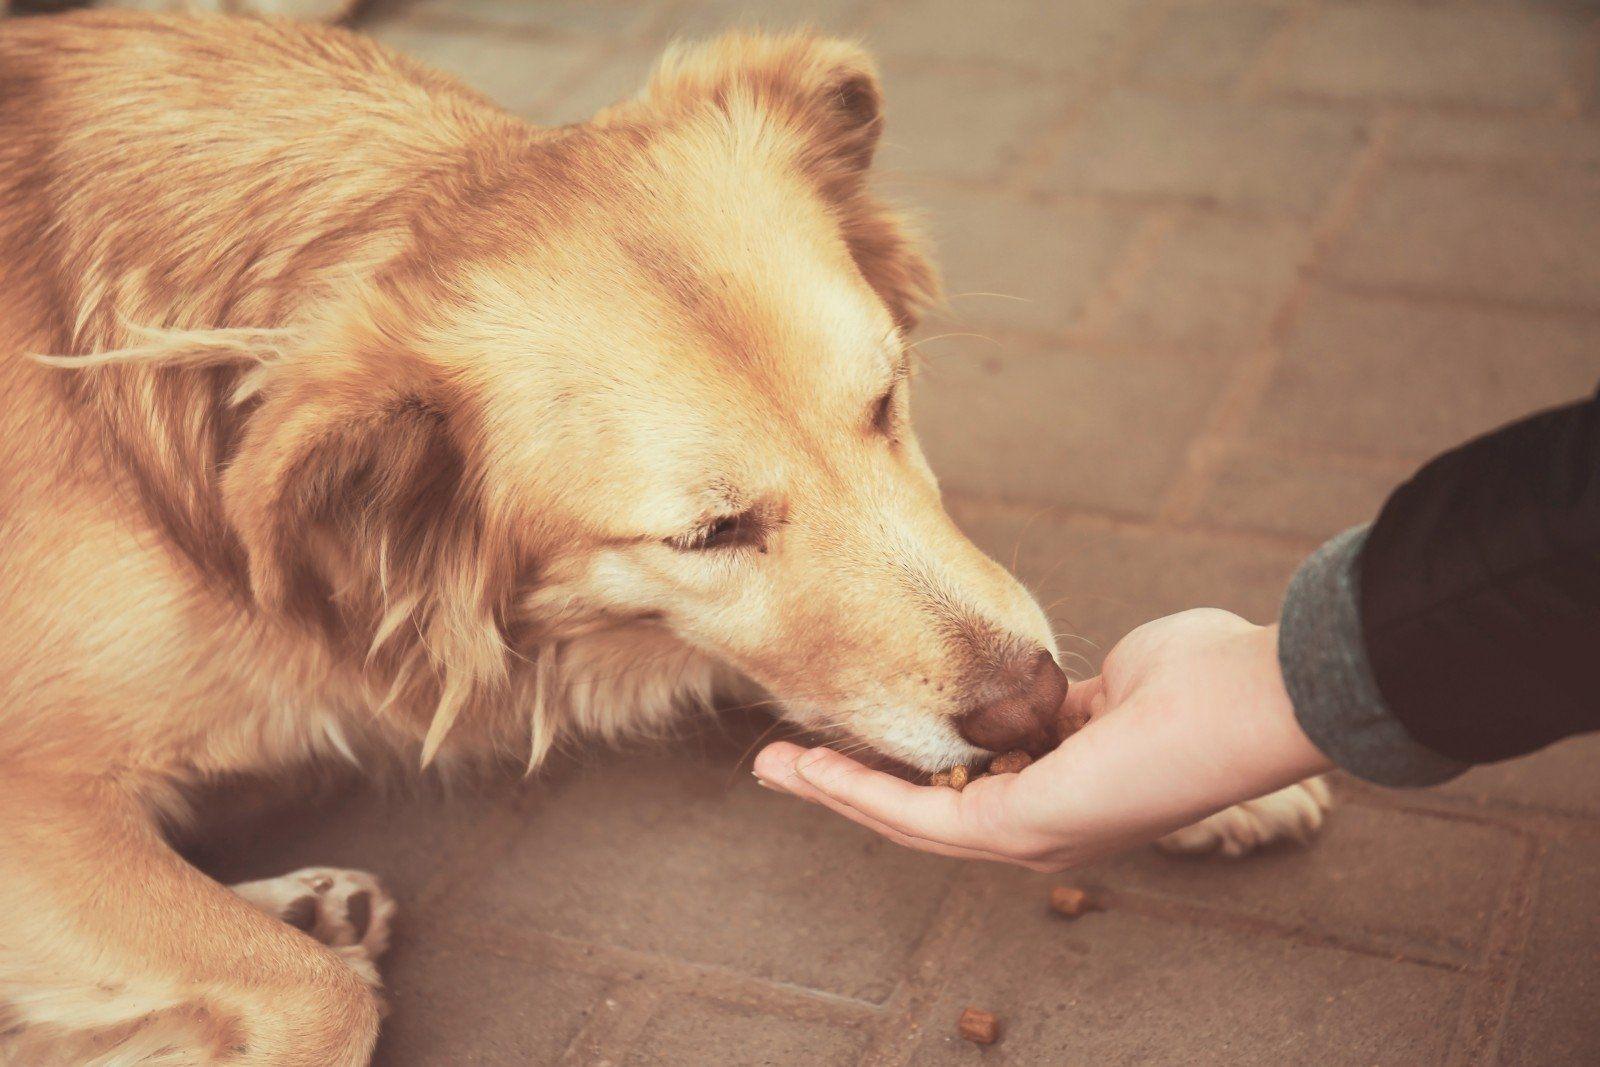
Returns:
<point x="885" y="411"/>
<point x="730" y="531"/>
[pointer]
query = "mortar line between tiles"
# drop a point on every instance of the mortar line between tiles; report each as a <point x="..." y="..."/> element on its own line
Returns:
<point x="617" y="1019"/>
<point x="1439" y="108"/>
<point x="1456" y="299"/>
<point x="1242" y="397"/>
<point x="1528" y="819"/>
<point x="894" y="1038"/>
<point x="1487" y="1004"/>
<point x="1108" y="74"/>
<point x="1138" y="257"/>
<point x="1583" y="85"/>
<point x="666" y="974"/>
<point x="1075" y="337"/>
<point x="1088" y="518"/>
<point x="1272" y="54"/>
<point x="1205" y="916"/>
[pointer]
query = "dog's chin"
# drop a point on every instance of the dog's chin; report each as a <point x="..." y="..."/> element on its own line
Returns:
<point x="879" y="761"/>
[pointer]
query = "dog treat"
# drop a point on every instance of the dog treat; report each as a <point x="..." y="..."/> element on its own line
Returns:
<point x="955" y="778"/>
<point x="1069" y="901"/>
<point x="979" y="1027"/>
<point x="1009" y="762"/>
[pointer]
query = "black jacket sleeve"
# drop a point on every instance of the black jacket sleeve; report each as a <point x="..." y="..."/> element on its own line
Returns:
<point x="1478" y="591"/>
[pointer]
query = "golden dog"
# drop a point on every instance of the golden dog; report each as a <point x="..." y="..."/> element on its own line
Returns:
<point x="345" y="411"/>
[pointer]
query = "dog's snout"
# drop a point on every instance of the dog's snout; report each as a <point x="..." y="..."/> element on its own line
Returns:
<point x="1025" y="713"/>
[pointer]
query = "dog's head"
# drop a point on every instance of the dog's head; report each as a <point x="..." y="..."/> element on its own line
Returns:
<point x="652" y="371"/>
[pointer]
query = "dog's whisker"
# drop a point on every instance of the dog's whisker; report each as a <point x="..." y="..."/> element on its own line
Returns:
<point x="997" y="296"/>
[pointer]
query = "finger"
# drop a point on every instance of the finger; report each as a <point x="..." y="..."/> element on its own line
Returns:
<point x="920" y="817"/>
<point x="921" y="844"/>
<point x="821" y="772"/>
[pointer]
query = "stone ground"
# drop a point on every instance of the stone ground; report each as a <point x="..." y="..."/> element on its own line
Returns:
<point x="1221" y="273"/>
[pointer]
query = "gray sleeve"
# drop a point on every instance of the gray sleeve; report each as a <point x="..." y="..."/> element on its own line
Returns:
<point x="1324" y="659"/>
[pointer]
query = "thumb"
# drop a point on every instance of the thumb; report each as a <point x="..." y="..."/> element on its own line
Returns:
<point x="1084" y="701"/>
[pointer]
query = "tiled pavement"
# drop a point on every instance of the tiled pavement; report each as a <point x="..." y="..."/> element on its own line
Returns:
<point x="1254" y="260"/>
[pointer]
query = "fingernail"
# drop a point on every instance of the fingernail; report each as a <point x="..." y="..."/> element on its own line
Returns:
<point x="764" y="784"/>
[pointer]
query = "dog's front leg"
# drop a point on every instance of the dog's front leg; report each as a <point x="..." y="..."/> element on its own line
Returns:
<point x="108" y="937"/>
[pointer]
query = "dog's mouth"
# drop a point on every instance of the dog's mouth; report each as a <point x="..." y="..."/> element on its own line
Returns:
<point x="867" y="754"/>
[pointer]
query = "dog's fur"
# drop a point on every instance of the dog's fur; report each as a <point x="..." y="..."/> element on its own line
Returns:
<point x="369" y="418"/>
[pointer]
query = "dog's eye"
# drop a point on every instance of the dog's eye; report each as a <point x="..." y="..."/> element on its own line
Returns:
<point x="730" y="531"/>
<point x="883" y="413"/>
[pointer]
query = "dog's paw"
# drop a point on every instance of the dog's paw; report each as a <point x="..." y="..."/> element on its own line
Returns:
<point x="1293" y="814"/>
<point x="346" y="910"/>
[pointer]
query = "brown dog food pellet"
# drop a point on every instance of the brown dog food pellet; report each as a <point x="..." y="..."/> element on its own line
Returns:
<point x="1009" y="762"/>
<point x="1070" y="901"/>
<point x="940" y="778"/>
<point x="959" y="776"/>
<point x="979" y="1027"/>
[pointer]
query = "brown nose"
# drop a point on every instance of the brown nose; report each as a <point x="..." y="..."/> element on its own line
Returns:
<point x="1025" y="713"/>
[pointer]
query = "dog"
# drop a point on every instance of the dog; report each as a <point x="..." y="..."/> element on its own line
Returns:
<point x="349" y="414"/>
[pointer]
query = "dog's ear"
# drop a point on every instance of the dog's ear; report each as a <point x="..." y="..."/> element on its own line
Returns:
<point x="826" y="97"/>
<point x="355" y="500"/>
<point x="825" y="89"/>
<point x="345" y="456"/>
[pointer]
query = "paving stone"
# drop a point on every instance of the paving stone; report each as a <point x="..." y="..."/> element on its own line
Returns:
<point x="1098" y="582"/>
<point x="1552" y="1015"/>
<point x="1528" y="143"/>
<point x="685" y="1032"/>
<point x="1305" y="495"/>
<point x="1216" y="282"/>
<point x="1069" y="37"/>
<point x="959" y="124"/>
<point x="1209" y="45"/>
<point x="1048" y="424"/>
<point x="611" y="19"/>
<point x="461" y="1005"/>
<point x="618" y="77"/>
<point x="672" y="853"/>
<point x="519" y="74"/>
<point x="1250" y="156"/>
<point x="1491" y="54"/>
<point x="1561" y="778"/>
<point x="1117" y="988"/>
<point x="1527" y="236"/>
<point x="403" y="839"/>
<point x="708" y="18"/>
<point x="1386" y="879"/>
<point x="1011" y="263"/>
<point x="1388" y="376"/>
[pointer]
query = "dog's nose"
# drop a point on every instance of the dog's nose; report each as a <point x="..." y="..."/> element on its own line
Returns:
<point x="1026" y="713"/>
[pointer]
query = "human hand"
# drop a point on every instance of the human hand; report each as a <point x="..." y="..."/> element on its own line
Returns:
<point x="1188" y="716"/>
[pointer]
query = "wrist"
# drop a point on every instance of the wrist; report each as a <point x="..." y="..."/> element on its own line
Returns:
<point x="1274" y="749"/>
